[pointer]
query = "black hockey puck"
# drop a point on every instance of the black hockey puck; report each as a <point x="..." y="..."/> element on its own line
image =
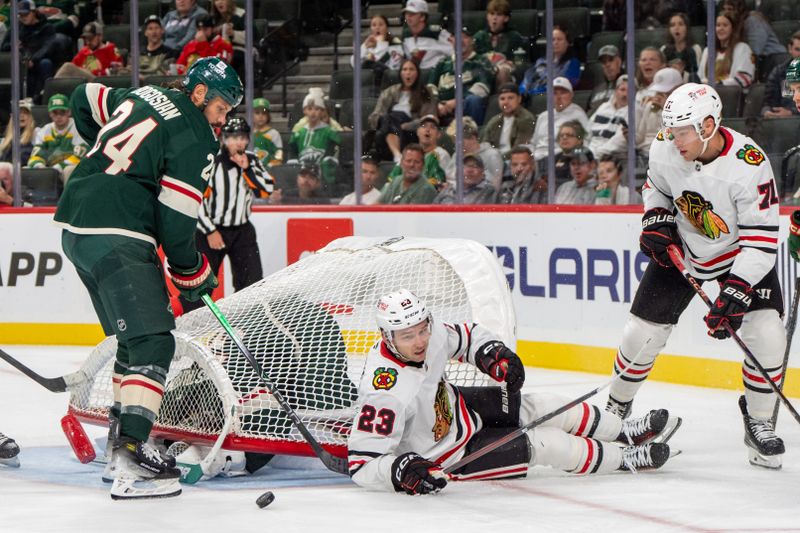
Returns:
<point x="265" y="499"/>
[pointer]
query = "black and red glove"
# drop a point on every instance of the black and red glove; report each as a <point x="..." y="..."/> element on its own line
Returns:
<point x="413" y="474"/>
<point x="659" y="230"/>
<point x="501" y="364"/>
<point x="735" y="297"/>
<point x="195" y="281"/>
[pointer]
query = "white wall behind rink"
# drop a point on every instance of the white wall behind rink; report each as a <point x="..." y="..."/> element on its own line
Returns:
<point x="573" y="274"/>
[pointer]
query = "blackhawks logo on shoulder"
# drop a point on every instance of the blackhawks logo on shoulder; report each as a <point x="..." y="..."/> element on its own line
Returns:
<point x="750" y="155"/>
<point x="700" y="212"/>
<point x="385" y="378"/>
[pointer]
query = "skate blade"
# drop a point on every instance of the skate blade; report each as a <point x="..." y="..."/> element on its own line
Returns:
<point x="673" y="423"/>
<point x="141" y="489"/>
<point x="11" y="462"/>
<point x="770" y="462"/>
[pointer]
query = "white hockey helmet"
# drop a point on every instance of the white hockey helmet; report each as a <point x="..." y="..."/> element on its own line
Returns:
<point x="689" y="105"/>
<point x="399" y="310"/>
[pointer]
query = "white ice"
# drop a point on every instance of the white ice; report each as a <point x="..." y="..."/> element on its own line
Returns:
<point x="709" y="487"/>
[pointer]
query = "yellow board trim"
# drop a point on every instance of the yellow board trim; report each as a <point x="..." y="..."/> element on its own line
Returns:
<point x="681" y="369"/>
<point x="27" y="333"/>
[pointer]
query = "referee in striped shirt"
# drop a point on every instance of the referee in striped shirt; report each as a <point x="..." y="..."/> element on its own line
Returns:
<point x="223" y="225"/>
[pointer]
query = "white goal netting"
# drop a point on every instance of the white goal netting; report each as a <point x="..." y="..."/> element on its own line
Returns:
<point x="310" y="326"/>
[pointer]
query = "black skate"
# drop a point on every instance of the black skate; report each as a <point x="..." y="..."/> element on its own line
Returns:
<point x="9" y="450"/>
<point x="621" y="409"/>
<point x="764" y="446"/>
<point x="655" y="426"/>
<point x="645" y="457"/>
<point x="142" y="472"/>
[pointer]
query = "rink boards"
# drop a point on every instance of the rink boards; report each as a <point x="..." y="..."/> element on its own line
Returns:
<point x="572" y="272"/>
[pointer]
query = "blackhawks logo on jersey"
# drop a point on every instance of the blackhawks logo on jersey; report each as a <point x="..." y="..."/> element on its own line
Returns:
<point x="444" y="415"/>
<point x="700" y="212"/>
<point x="750" y="155"/>
<point x="384" y="379"/>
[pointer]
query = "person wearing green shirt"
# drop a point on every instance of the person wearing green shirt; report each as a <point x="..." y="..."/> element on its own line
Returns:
<point x="267" y="142"/>
<point x="58" y="144"/>
<point x="316" y="144"/>
<point x="500" y="44"/>
<point x="411" y="187"/>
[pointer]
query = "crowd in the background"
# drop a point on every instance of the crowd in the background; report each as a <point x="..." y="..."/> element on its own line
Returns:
<point x="409" y="136"/>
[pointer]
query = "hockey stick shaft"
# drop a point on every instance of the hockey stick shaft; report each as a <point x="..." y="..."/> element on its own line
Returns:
<point x="791" y="324"/>
<point x="59" y="384"/>
<point x="677" y="259"/>
<point x="480" y="452"/>
<point x="333" y="463"/>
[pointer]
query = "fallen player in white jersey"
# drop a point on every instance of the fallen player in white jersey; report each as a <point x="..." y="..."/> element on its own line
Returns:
<point x="710" y="191"/>
<point x="411" y="423"/>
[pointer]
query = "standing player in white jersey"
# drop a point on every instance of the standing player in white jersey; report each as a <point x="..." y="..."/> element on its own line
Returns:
<point x="709" y="190"/>
<point x="411" y="422"/>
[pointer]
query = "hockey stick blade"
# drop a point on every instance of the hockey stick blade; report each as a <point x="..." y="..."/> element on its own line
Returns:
<point x="63" y="383"/>
<point x="333" y="463"/>
<point x="480" y="452"/>
<point x="677" y="260"/>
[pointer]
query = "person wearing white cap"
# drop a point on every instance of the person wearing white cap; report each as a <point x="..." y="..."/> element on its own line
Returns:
<point x="317" y="143"/>
<point x="564" y="110"/>
<point x="426" y="44"/>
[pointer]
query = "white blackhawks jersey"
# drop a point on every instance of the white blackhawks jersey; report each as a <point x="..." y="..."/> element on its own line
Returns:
<point x="409" y="407"/>
<point x="727" y="210"/>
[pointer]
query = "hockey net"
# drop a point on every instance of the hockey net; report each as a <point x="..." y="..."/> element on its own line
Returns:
<point x="310" y="326"/>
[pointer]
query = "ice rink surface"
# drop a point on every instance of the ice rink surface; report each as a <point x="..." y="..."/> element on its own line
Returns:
<point x="709" y="487"/>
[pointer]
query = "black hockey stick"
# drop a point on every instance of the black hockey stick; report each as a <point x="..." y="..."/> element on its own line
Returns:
<point x="480" y="452"/>
<point x="677" y="259"/>
<point x="791" y="323"/>
<point x="333" y="463"/>
<point x="59" y="384"/>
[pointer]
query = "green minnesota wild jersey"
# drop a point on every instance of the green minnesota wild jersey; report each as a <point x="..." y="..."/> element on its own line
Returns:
<point x="152" y="155"/>
<point x="54" y="148"/>
<point x="317" y="146"/>
<point x="268" y="146"/>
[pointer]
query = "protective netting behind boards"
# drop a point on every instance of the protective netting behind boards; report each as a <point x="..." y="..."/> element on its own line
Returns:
<point x="310" y="326"/>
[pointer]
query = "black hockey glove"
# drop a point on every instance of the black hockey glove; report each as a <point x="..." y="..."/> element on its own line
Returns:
<point x="413" y="474"/>
<point x="659" y="230"/>
<point x="196" y="281"/>
<point x="735" y="297"/>
<point x="501" y="364"/>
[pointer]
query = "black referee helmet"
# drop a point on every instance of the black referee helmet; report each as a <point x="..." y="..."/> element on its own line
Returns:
<point x="236" y="125"/>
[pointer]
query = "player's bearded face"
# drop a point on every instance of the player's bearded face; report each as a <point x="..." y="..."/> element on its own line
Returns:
<point x="216" y="111"/>
<point x="686" y="140"/>
<point x="412" y="342"/>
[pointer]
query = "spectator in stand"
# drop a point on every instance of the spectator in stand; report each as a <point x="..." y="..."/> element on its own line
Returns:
<point x="309" y="189"/>
<point x="380" y="50"/>
<point x="267" y="142"/>
<point x="325" y="117"/>
<point x="734" y="62"/>
<point x="28" y="131"/>
<point x="97" y="57"/>
<point x="615" y="13"/>
<point x="513" y="125"/>
<point x="223" y="223"/>
<point x="229" y="24"/>
<point x="571" y="137"/>
<point x="370" y="173"/>
<point x="155" y="58"/>
<point x="427" y="45"/>
<point x="612" y="70"/>
<point x="410" y="187"/>
<point x="565" y="65"/>
<point x="436" y="158"/>
<point x="490" y="156"/>
<point x="180" y="24"/>
<point x="6" y="185"/>
<point x="608" y="119"/>
<point x="753" y="28"/>
<point x="777" y="105"/>
<point x="58" y="144"/>
<point x="42" y="49"/>
<point x="477" y="189"/>
<point x="398" y="110"/>
<point x="651" y="60"/>
<point x="680" y="47"/>
<point x="609" y="191"/>
<point x="64" y="15"/>
<point x="564" y="111"/>
<point x="499" y="43"/>
<point x="316" y="144"/>
<point x="206" y="43"/>
<point x="477" y="82"/>
<point x="523" y="187"/>
<point x="581" y="189"/>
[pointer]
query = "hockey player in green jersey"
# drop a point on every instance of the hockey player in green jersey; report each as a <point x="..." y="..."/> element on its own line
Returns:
<point x="140" y="186"/>
<point x="58" y="144"/>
